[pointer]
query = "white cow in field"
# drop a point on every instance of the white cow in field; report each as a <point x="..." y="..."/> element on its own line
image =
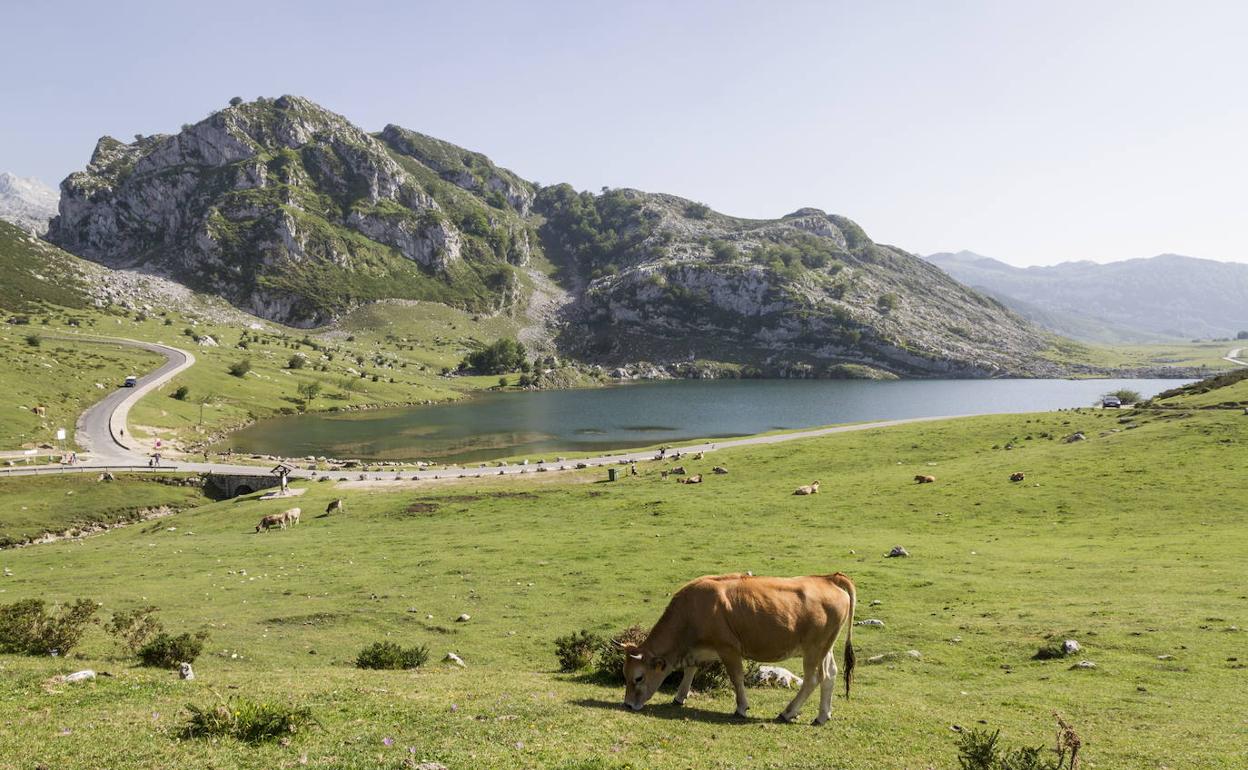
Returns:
<point x="291" y="516"/>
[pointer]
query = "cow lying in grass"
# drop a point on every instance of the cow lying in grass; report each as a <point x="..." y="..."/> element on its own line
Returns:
<point x="921" y="479"/>
<point x="735" y="617"/>
<point x="810" y="489"/>
<point x="1017" y="476"/>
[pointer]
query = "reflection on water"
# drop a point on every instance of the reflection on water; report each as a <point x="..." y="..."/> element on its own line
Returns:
<point x="501" y="424"/>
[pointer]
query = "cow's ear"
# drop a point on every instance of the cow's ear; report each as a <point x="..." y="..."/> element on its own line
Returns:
<point x="658" y="664"/>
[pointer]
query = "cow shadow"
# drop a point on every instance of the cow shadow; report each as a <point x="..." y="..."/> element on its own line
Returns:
<point x="667" y="710"/>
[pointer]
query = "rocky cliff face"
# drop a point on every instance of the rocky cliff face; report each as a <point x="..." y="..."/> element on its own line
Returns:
<point x="285" y="208"/>
<point x="667" y="280"/>
<point x="27" y="203"/>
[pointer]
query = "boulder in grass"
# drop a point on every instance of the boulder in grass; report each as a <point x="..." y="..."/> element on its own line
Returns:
<point x="898" y="551"/>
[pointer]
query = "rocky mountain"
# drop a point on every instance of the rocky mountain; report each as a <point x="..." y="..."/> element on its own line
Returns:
<point x="26" y="202"/>
<point x="1166" y="297"/>
<point x="294" y="214"/>
<point x="291" y="213"/>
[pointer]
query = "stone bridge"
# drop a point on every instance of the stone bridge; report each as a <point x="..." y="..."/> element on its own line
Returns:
<point x="234" y="484"/>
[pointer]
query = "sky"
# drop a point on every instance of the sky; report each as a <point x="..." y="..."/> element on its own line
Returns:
<point x="1032" y="132"/>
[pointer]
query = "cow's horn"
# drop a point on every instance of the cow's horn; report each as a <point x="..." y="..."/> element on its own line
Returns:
<point x="635" y="656"/>
<point x="618" y="644"/>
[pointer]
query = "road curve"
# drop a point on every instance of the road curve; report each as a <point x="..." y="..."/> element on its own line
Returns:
<point x="1234" y="357"/>
<point x="101" y="429"/>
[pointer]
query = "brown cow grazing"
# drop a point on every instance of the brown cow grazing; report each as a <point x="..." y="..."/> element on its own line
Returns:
<point x="695" y="479"/>
<point x="735" y="617"/>
<point x="291" y="516"/>
<point x="679" y="470"/>
<point x="271" y="521"/>
<point x="336" y="506"/>
<point x="921" y="479"/>
<point x="810" y="489"/>
<point x="1017" y="476"/>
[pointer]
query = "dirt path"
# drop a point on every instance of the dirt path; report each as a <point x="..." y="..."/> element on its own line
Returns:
<point x="1234" y="357"/>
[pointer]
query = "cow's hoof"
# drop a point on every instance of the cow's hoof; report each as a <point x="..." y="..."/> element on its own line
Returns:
<point x="785" y="719"/>
<point x="740" y="715"/>
<point x="678" y="702"/>
<point x="819" y="720"/>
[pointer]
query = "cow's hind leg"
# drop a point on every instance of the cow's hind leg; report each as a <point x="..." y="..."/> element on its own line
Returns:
<point x="736" y="672"/>
<point x="685" y="683"/>
<point x="812" y="667"/>
<point x="826" y="685"/>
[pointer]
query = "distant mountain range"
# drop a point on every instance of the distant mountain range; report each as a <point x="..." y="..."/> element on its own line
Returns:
<point x="27" y="203"/>
<point x="294" y="214"/>
<point x="1167" y="297"/>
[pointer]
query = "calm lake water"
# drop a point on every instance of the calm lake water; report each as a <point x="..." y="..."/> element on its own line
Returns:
<point x="496" y="425"/>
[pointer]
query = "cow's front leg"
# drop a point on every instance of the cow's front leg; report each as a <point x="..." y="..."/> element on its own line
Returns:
<point x="736" y="672"/>
<point x="685" y="683"/>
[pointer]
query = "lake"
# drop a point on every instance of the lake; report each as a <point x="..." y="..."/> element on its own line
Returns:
<point x="494" y="425"/>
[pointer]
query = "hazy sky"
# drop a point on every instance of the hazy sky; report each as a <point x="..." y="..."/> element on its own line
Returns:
<point x="1033" y="132"/>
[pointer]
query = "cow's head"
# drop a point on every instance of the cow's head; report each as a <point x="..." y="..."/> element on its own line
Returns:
<point x="643" y="673"/>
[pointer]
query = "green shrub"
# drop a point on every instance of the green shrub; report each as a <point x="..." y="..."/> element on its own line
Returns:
<point x="167" y="651"/>
<point x="240" y="368"/>
<point x="181" y="393"/>
<point x="34" y="340"/>
<point x="245" y="720"/>
<point x="296" y="362"/>
<point x="576" y="651"/>
<point x="1125" y="395"/>
<point x="28" y="627"/>
<point x="134" y="627"/>
<point x="982" y="750"/>
<point x="502" y="356"/>
<point x="392" y="657"/>
<point x="695" y="210"/>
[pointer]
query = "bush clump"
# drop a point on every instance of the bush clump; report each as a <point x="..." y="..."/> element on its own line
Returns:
<point x="167" y="651"/>
<point x="240" y="368"/>
<point x="576" y="651"/>
<point x="392" y="657"/>
<point x="28" y="627"/>
<point x="982" y="750"/>
<point x="246" y="720"/>
<point x="134" y="628"/>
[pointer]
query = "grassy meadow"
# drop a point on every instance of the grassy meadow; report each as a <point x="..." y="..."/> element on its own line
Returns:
<point x="1130" y="542"/>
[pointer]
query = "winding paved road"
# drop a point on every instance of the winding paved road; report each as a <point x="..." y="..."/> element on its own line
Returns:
<point x="1234" y="357"/>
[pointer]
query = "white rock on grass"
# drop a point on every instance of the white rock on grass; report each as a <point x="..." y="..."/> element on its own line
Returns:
<point x="1084" y="664"/>
<point x="80" y="676"/>
<point x="871" y="623"/>
<point x="455" y="659"/>
<point x="898" y="551"/>
<point x="1070" y="647"/>
<point x="775" y="676"/>
<point x="464" y="618"/>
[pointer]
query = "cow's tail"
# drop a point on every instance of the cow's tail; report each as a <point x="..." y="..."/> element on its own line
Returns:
<point x="847" y="585"/>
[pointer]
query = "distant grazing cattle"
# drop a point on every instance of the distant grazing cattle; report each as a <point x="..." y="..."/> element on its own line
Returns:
<point x="921" y="479"/>
<point x="663" y="474"/>
<point x="720" y="469"/>
<point x="40" y="411"/>
<point x="679" y="470"/>
<point x="271" y="521"/>
<point x="698" y="456"/>
<point x="291" y="516"/>
<point x="694" y="479"/>
<point x="736" y="617"/>
<point x="336" y="506"/>
<point x="810" y="489"/>
<point x="1017" y="476"/>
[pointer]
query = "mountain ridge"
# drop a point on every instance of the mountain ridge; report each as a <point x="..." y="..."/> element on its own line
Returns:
<point x="1143" y="299"/>
<point x="293" y="213"/>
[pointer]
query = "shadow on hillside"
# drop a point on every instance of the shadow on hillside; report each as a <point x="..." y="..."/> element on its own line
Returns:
<point x="666" y="710"/>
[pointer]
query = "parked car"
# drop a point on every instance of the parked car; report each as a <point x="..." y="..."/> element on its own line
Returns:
<point x="1111" y="402"/>
<point x="130" y="382"/>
